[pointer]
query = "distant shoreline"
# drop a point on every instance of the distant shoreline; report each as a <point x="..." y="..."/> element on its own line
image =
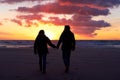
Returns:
<point x="79" y="43"/>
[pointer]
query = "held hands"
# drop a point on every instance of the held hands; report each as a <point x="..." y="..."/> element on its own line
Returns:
<point x="55" y="47"/>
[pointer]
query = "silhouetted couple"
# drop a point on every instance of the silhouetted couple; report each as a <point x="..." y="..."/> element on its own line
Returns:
<point x="68" y="43"/>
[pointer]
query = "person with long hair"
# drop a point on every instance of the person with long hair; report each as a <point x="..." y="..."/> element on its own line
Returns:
<point x="40" y="48"/>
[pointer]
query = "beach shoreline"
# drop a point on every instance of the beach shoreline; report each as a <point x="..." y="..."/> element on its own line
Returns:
<point x="87" y="63"/>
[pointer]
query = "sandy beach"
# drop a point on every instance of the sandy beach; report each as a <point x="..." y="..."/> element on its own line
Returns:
<point x="86" y="64"/>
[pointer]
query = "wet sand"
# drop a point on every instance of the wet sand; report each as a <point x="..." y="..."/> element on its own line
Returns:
<point x="86" y="64"/>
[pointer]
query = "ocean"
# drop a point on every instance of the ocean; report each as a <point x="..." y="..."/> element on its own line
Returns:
<point x="79" y="43"/>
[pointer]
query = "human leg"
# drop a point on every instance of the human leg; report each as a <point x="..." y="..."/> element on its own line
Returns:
<point x="66" y="59"/>
<point x="40" y="62"/>
<point x="44" y="63"/>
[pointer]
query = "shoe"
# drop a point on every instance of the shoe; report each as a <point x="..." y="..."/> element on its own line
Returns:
<point x="44" y="72"/>
<point x="40" y="69"/>
<point x="67" y="70"/>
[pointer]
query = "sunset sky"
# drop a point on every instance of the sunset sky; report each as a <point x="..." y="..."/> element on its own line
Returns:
<point x="89" y="19"/>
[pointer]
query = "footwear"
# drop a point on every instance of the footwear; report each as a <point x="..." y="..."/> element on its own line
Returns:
<point x="40" y="69"/>
<point x="67" y="70"/>
<point x="44" y="72"/>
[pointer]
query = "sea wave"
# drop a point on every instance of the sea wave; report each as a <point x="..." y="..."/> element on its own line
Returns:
<point x="79" y="43"/>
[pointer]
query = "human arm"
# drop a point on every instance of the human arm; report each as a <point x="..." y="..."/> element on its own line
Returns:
<point x="50" y="43"/>
<point x="35" y="45"/>
<point x="59" y="42"/>
<point x="35" y="51"/>
<point x="73" y="42"/>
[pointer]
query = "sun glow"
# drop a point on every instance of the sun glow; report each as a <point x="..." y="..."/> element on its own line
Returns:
<point x="50" y="35"/>
<point x="51" y="31"/>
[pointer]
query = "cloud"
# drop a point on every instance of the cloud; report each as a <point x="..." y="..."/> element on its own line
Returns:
<point x="28" y="20"/>
<point x="30" y="17"/>
<point x="15" y="1"/>
<point x="78" y="20"/>
<point x="99" y="3"/>
<point x="81" y="12"/>
<point x="5" y="33"/>
<point x="49" y="8"/>
<point x="20" y="1"/>
<point x="17" y="21"/>
<point x="82" y="24"/>
<point x="0" y="23"/>
<point x="56" y="8"/>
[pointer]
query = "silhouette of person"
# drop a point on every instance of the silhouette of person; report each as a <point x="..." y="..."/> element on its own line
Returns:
<point x="40" y="48"/>
<point x="68" y="43"/>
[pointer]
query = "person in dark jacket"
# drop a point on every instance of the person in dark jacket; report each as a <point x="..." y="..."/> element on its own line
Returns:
<point x="40" y="48"/>
<point x="68" y="43"/>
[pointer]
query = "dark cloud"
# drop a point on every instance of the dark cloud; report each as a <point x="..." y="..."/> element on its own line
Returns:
<point x="100" y="3"/>
<point x="63" y="9"/>
<point x="50" y="8"/>
<point x="93" y="11"/>
<point x="78" y="20"/>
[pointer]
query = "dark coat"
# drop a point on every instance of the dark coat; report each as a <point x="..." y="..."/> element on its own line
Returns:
<point x="68" y="41"/>
<point x="40" y="44"/>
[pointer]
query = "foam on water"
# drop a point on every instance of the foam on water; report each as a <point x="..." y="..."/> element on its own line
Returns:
<point x="79" y="43"/>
